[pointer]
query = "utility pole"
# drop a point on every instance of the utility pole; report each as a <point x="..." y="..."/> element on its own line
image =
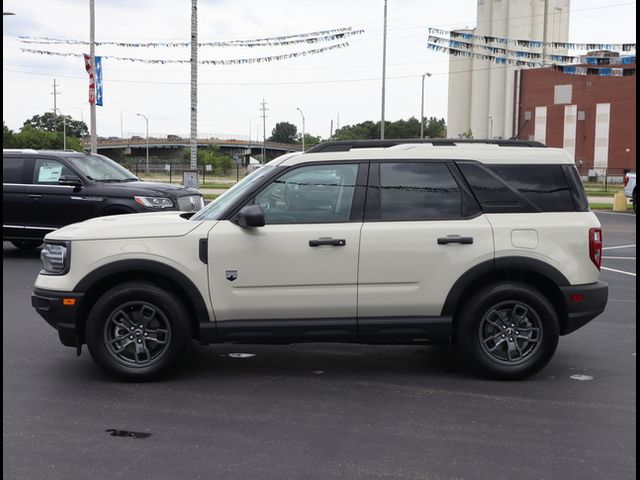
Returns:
<point x="384" y="67"/>
<point x="302" y="114"/>
<point x="55" y="93"/>
<point x="422" y="106"/>
<point x="331" y="131"/>
<point x="544" y="32"/>
<point x="264" y="109"/>
<point x="92" y="52"/>
<point x="193" y="144"/>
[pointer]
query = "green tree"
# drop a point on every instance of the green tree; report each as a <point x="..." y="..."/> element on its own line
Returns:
<point x="8" y="137"/>
<point x="51" y="122"/>
<point x="435" y="128"/>
<point x="211" y="155"/>
<point x="309" y="140"/>
<point x="284" y="132"/>
<point x="30" y="137"/>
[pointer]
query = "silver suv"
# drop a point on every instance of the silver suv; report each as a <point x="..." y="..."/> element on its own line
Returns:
<point x="488" y="245"/>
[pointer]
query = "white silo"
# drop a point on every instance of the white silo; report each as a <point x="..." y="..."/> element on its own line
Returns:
<point x="480" y="76"/>
<point x="459" y="107"/>
<point x="492" y="85"/>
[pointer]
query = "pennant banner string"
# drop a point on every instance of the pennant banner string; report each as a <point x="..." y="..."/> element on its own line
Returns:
<point x="572" y="69"/>
<point x="236" y="61"/>
<point x="314" y="37"/>
<point x="624" y="47"/>
<point x="521" y="54"/>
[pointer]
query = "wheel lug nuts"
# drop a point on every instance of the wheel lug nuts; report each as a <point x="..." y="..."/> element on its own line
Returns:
<point x="141" y="326"/>
<point x="130" y="337"/>
<point x="510" y="339"/>
<point x="146" y="334"/>
<point x="139" y="341"/>
<point x="503" y="336"/>
<point x="132" y="328"/>
<point x="517" y="333"/>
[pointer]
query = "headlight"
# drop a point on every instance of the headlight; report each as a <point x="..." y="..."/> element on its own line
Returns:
<point x="154" y="202"/>
<point x="55" y="259"/>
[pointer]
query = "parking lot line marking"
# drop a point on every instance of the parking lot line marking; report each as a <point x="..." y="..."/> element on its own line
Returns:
<point x="620" y="258"/>
<point x="619" y="271"/>
<point x="619" y="246"/>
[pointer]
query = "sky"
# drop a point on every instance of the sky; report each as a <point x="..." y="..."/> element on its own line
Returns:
<point x="335" y="88"/>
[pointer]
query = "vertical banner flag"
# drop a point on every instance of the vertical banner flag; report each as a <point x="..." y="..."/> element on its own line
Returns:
<point x="98" y="75"/>
<point x="92" y="84"/>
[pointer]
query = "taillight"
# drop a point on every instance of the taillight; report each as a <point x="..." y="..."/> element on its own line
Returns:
<point x="595" y="246"/>
<point x="626" y="180"/>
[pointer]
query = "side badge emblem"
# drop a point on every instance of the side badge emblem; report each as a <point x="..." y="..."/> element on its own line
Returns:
<point x="231" y="275"/>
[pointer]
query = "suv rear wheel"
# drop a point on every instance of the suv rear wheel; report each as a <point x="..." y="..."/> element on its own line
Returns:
<point x="507" y="331"/>
<point x="137" y="331"/>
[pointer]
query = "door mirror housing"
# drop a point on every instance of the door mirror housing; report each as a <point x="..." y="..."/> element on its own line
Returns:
<point x="250" y="216"/>
<point x="70" y="181"/>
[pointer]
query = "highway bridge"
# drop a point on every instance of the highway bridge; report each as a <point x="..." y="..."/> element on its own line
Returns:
<point x="167" y="146"/>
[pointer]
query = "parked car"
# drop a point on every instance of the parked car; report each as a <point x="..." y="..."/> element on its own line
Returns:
<point x="489" y="246"/>
<point x="630" y="188"/>
<point x="46" y="190"/>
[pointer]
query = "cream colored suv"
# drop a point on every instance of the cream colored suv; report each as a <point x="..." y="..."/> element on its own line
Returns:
<point x="489" y="245"/>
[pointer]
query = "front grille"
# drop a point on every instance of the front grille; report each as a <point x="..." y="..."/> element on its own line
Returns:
<point x="190" y="203"/>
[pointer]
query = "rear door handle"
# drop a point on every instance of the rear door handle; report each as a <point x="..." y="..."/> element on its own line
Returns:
<point x="35" y="196"/>
<point x="455" y="239"/>
<point x="336" y="242"/>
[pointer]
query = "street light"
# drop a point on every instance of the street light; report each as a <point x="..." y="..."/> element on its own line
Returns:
<point x="302" y="114"/>
<point x="422" y="106"/>
<point x="147" y="123"/>
<point x="490" y="127"/>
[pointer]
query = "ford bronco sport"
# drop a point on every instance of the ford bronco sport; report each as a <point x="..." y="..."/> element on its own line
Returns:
<point x="488" y="245"/>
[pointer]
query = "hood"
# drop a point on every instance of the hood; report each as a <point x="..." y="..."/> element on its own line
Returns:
<point x="131" y="225"/>
<point x="153" y="188"/>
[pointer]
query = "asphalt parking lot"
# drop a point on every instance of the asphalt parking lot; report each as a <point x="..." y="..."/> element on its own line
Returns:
<point x="321" y="411"/>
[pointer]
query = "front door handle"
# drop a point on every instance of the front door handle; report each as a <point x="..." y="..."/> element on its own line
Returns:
<point x="34" y="196"/>
<point x="455" y="239"/>
<point x="336" y="242"/>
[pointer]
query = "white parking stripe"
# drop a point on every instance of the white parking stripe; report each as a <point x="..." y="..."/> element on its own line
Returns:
<point x="621" y="258"/>
<point x="619" y="246"/>
<point x="619" y="271"/>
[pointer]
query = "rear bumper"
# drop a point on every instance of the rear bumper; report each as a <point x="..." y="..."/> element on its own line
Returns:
<point x="61" y="315"/>
<point x="584" y="303"/>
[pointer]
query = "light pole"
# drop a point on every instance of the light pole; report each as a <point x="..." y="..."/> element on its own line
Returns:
<point x="422" y="106"/>
<point x="490" y="127"/>
<point x="146" y="120"/>
<point x="384" y="68"/>
<point x="302" y="114"/>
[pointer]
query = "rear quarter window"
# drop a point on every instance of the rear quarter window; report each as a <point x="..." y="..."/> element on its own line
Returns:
<point x="543" y="185"/>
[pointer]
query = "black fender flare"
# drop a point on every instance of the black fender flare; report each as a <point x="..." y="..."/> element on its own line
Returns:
<point x="152" y="267"/>
<point x="488" y="267"/>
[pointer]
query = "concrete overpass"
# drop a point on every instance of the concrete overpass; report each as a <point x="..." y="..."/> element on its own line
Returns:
<point x="167" y="146"/>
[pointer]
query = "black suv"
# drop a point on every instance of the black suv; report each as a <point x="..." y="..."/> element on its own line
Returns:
<point x="44" y="190"/>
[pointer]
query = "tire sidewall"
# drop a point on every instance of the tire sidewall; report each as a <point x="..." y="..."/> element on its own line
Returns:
<point x="161" y="299"/>
<point x="468" y="325"/>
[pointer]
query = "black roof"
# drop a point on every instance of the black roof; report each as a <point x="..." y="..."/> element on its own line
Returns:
<point x="346" y="145"/>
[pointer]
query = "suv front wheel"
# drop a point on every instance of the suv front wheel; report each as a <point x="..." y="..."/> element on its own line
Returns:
<point x="137" y="331"/>
<point x="507" y="331"/>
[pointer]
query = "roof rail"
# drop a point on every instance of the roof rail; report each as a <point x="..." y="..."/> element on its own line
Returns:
<point x="346" y="145"/>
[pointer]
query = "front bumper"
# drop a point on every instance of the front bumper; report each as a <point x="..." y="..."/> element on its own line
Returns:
<point x="584" y="303"/>
<point x="59" y="312"/>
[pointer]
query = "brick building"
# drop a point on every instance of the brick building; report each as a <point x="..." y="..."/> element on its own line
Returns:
<point x="591" y="116"/>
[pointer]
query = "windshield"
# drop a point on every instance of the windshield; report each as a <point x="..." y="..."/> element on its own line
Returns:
<point x="215" y="208"/>
<point x="101" y="168"/>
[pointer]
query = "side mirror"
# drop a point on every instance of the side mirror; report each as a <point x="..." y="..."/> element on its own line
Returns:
<point x="70" y="181"/>
<point x="250" y="216"/>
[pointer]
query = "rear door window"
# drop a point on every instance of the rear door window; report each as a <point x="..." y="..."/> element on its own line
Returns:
<point x="12" y="170"/>
<point x="418" y="191"/>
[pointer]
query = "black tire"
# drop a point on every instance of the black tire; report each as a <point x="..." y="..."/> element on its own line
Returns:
<point x="507" y="331"/>
<point x="26" y="244"/>
<point x="137" y="331"/>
